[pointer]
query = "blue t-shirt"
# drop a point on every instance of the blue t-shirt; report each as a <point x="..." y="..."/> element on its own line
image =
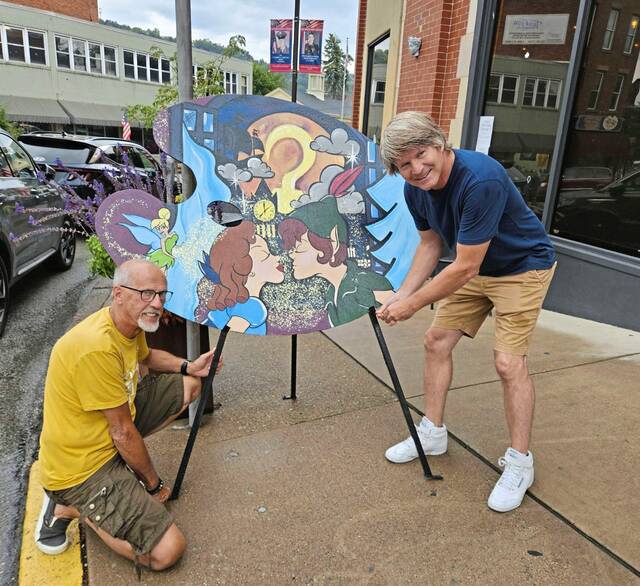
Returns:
<point x="480" y="203"/>
<point x="253" y="310"/>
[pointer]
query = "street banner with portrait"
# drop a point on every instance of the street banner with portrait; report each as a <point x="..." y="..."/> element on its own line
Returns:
<point x="281" y="52"/>
<point x="310" y="55"/>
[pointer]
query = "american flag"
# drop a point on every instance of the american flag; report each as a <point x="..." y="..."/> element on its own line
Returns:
<point x="126" y="127"/>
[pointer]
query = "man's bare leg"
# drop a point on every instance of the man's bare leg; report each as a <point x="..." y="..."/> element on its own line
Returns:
<point x="438" y="370"/>
<point x="191" y="386"/>
<point x="166" y="552"/>
<point x="519" y="398"/>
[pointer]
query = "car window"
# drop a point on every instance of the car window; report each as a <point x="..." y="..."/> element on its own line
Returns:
<point x="17" y="157"/>
<point x="128" y="156"/>
<point x="145" y="160"/>
<point x="69" y="155"/>
<point x="5" y="170"/>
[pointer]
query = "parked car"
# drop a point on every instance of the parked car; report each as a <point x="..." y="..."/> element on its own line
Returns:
<point x="581" y="177"/>
<point x="21" y="188"/>
<point x="86" y="158"/>
<point x="608" y="216"/>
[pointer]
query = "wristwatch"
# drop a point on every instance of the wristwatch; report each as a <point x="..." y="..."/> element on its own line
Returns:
<point x="157" y="488"/>
<point x="183" y="368"/>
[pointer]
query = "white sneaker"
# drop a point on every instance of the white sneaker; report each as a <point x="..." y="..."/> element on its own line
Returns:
<point x="517" y="477"/>
<point x="433" y="440"/>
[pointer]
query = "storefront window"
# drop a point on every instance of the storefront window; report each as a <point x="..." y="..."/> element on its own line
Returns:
<point x="598" y="200"/>
<point x="376" y="85"/>
<point x="529" y="64"/>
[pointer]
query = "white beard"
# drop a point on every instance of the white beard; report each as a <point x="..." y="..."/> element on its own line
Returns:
<point x="147" y="327"/>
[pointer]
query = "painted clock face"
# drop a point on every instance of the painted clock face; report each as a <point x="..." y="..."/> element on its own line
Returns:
<point x="264" y="210"/>
<point x="293" y="226"/>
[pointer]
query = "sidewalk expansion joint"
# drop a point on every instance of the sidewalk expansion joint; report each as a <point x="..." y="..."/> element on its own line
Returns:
<point x="614" y="556"/>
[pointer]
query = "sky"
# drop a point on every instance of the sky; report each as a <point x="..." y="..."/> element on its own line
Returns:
<point x="218" y="20"/>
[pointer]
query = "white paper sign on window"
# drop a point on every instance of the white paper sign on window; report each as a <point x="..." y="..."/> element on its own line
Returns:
<point x="485" y="132"/>
<point x="535" y="29"/>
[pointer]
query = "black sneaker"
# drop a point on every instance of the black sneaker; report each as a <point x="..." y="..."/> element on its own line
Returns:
<point x="51" y="531"/>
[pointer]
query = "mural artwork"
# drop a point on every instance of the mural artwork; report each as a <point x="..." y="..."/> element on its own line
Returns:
<point x="293" y="226"/>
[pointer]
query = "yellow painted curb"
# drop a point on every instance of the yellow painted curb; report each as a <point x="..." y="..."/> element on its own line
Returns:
<point x="64" y="569"/>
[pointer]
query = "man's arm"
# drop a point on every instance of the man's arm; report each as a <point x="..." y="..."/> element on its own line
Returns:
<point x="424" y="262"/>
<point x="162" y="361"/>
<point x="463" y="269"/>
<point x="130" y="445"/>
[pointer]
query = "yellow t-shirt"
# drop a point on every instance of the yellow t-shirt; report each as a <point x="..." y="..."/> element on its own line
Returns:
<point x="92" y="367"/>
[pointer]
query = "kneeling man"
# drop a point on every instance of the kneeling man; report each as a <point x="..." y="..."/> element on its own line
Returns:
<point x="97" y="409"/>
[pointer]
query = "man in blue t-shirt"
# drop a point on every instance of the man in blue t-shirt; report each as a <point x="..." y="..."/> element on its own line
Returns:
<point x="504" y="261"/>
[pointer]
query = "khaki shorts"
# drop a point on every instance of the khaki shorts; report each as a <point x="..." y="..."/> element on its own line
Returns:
<point x="113" y="498"/>
<point x="517" y="300"/>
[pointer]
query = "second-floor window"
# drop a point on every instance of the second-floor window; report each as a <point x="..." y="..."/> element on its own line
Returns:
<point x="244" y="84"/>
<point x="87" y="56"/>
<point x="503" y="89"/>
<point x="541" y="93"/>
<point x="145" y="67"/>
<point x="377" y="95"/>
<point x="230" y="82"/>
<point x="23" y="45"/>
<point x="594" y="94"/>
<point x="616" y="93"/>
<point x="610" y="31"/>
<point x="631" y="34"/>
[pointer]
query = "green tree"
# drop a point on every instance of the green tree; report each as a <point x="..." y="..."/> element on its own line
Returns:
<point x="263" y="80"/>
<point x="335" y="63"/>
<point x="209" y="81"/>
<point x="6" y="124"/>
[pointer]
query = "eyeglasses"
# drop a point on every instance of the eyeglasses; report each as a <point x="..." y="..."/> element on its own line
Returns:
<point x="149" y="295"/>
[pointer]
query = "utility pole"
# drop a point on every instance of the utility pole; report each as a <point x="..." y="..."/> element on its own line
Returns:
<point x="344" y="80"/>
<point x="296" y="38"/>
<point x="185" y="92"/>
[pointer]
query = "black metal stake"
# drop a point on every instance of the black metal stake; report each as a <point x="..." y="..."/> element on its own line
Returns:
<point x="294" y="368"/>
<point x="400" y="394"/>
<point x="204" y="398"/>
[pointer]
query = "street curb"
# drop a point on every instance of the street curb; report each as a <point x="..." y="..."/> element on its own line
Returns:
<point x="65" y="569"/>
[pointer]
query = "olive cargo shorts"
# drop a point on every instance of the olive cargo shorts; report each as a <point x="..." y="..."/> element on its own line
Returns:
<point x="113" y="498"/>
<point x="517" y="300"/>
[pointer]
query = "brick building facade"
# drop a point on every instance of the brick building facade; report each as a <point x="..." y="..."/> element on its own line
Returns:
<point x="84" y="9"/>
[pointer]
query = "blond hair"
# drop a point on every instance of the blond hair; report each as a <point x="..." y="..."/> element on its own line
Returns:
<point x="409" y="130"/>
<point x="162" y="220"/>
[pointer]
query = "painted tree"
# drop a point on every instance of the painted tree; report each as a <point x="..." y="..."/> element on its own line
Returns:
<point x="335" y="63"/>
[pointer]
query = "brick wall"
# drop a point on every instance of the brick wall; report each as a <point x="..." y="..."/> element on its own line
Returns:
<point x="359" y="74"/>
<point x="428" y="82"/>
<point x="86" y="9"/>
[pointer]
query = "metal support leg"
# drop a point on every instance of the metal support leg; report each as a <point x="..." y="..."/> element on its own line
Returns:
<point x="206" y="389"/>
<point x="294" y="368"/>
<point x="398" y="389"/>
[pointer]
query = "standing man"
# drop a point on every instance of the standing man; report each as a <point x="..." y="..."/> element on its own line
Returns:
<point x="504" y="261"/>
<point x="95" y="464"/>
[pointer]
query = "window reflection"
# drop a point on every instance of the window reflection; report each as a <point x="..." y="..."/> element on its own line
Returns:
<point x="376" y="82"/>
<point x="529" y="65"/>
<point x="598" y="199"/>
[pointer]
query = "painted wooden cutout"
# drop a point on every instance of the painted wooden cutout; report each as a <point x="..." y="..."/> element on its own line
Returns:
<point x="293" y="226"/>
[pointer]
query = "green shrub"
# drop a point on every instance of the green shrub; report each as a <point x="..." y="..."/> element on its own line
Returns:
<point x="100" y="262"/>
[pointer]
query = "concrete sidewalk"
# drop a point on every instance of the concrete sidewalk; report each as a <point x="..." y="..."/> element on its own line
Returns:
<point x="280" y="492"/>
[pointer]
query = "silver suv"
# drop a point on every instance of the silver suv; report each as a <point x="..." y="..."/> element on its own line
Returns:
<point x="24" y="199"/>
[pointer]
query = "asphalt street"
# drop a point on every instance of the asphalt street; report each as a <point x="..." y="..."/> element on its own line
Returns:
<point x="42" y="307"/>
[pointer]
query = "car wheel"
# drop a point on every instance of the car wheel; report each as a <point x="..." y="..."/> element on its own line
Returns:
<point x="4" y="295"/>
<point x="63" y="258"/>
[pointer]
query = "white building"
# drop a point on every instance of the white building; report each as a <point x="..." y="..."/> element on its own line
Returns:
<point x="58" y="72"/>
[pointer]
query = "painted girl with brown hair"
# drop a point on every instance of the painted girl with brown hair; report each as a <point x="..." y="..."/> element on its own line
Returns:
<point x="238" y="265"/>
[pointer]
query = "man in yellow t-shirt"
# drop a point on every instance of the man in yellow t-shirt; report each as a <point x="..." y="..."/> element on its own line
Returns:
<point x="97" y="409"/>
